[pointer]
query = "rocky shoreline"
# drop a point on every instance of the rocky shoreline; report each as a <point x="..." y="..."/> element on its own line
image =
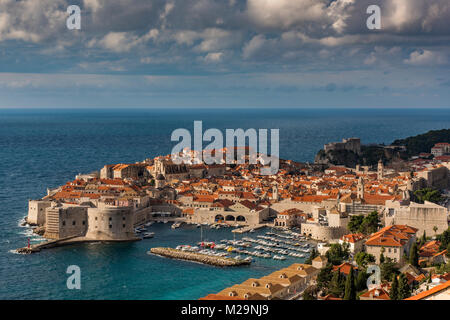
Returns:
<point x="198" y="257"/>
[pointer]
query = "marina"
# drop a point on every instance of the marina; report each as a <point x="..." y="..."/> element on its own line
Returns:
<point x="280" y="246"/>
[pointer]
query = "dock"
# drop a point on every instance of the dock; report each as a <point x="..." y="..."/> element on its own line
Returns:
<point x="198" y="257"/>
<point x="248" y="228"/>
<point x="63" y="242"/>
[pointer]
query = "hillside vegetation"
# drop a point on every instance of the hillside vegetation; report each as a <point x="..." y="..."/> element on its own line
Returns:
<point x="423" y="142"/>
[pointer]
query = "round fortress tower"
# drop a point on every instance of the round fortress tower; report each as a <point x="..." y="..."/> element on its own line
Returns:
<point x="110" y="223"/>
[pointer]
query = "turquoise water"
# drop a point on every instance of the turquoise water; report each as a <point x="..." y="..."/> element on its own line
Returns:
<point x="45" y="148"/>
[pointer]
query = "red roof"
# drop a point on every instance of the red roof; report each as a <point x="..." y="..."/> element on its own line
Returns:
<point x="392" y="236"/>
<point x="344" y="268"/>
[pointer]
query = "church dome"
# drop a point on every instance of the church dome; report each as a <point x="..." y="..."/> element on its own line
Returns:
<point x="160" y="177"/>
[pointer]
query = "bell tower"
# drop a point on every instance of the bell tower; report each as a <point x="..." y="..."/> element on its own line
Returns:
<point x="360" y="188"/>
<point x="380" y="170"/>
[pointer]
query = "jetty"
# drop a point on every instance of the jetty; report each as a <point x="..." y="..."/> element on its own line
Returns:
<point x="64" y="242"/>
<point x="198" y="257"/>
<point x="248" y="228"/>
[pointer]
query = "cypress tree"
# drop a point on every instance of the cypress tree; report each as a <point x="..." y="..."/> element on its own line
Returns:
<point x="414" y="255"/>
<point x="350" y="290"/>
<point x="361" y="280"/>
<point x="337" y="284"/>
<point x="382" y="258"/>
<point x="403" y="288"/>
<point x="393" y="294"/>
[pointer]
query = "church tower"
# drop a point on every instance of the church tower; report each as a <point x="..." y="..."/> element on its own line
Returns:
<point x="275" y="192"/>
<point x="380" y="170"/>
<point x="360" y="188"/>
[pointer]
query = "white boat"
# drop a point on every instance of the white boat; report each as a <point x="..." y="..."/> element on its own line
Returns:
<point x="176" y="225"/>
<point x="148" y="235"/>
<point x="279" y="257"/>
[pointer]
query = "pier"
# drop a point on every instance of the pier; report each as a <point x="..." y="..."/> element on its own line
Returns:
<point x="248" y="228"/>
<point x="198" y="257"/>
<point x="63" y="242"/>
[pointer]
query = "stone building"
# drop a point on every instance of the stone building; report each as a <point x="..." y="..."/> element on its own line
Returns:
<point x="393" y="241"/>
<point x="351" y="144"/>
<point x="36" y="211"/>
<point x="64" y="221"/>
<point x="423" y="217"/>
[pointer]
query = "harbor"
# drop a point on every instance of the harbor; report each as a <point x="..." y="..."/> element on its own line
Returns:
<point x="275" y="244"/>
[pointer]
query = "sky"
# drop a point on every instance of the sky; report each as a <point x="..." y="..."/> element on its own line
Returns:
<point x="224" y="53"/>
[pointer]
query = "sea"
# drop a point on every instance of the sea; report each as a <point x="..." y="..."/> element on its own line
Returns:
<point x="44" y="148"/>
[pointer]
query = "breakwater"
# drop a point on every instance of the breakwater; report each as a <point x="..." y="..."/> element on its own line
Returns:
<point x="198" y="257"/>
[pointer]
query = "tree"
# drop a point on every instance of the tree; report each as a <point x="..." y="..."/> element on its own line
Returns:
<point x="337" y="253"/>
<point x="423" y="240"/>
<point x="311" y="257"/>
<point x="404" y="291"/>
<point x="388" y="268"/>
<point x="324" y="277"/>
<point x="308" y="295"/>
<point x="393" y="294"/>
<point x="355" y="223"/>
<point x="361" y="280"/>
<point x="363" y="259"/>
<point x="444" y="238"/>
<point x="337" y="284"/>
<point x="382" y="260"/>
<point x="350" y="290"/>
<point x="428" y="194"/>
<point x="435" y="229"/>
<point x="414" y="255"/>
<point x="370" y="223"/>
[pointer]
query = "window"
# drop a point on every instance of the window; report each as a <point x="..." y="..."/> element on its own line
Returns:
<point x="123" y="218"/>
<point x="110" y="226"/>
<point x="95" y="218"/>
<point x="110" y="218"/>
<point x="123" y="225"/>
<point x="64" y="223"/>
<point x="84" y="223"/>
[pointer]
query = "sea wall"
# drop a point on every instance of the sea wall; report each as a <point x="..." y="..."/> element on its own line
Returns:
<point x="198" y="257"/>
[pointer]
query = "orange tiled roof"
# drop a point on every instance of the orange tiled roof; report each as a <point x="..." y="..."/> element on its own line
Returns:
<point x="376" y="293"/>
<point x="344" y="268"/>
<point x="352" y="238"/>
<point x="422" y="295"/>
<point x="392" y="236"/>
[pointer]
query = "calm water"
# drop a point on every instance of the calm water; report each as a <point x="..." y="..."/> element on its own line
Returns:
<point x="45" y="148"/>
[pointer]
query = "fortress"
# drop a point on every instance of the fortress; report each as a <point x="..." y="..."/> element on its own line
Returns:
<point x="350" y="144"/>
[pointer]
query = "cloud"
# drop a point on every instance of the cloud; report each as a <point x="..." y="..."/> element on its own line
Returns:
<point x="213" y="57"/>
<point x="426" y="58"/>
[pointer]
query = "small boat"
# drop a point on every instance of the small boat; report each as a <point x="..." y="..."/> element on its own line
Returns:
<point x="249" y="259"/>
<point x="279" y="257"/>
<point x="176" y="225"/>
<point x="148" y="235"/>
